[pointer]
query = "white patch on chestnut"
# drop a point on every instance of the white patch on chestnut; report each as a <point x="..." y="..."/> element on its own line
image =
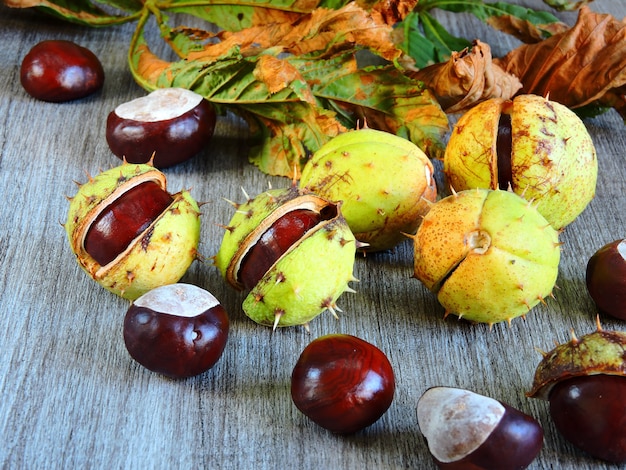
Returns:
<point x="456" y="422"/>
<point x="183" y="300"/>
<point x="160" y="105"/>
<point x="621" y="249"/>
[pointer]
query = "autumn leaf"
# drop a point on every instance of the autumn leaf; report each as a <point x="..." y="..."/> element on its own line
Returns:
<point x="298" y="84"/>
<point x="323" y="31"/>
<point x="428" y="42"/>
<point x="468" y="78"/>
<point x="83" y="11"/>
<point x="581" y="67"/>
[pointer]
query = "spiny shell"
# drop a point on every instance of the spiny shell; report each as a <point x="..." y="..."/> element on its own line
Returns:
<point x="600" y="352"/>
<point x="385" y="182"/>
<point x="487" y="254"/>
<point x="553" y="159"/>
<point x="158" y="256"/>
<point x="308" y="278"/>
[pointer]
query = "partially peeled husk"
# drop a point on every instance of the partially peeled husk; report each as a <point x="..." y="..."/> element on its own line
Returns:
<point x="160" y="255"/>
<point x="308" y="278"/>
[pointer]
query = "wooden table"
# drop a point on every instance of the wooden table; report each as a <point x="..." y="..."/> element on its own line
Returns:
<point x="71" y="396"/>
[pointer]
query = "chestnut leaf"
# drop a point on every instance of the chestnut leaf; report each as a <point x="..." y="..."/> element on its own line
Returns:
<point x="426" y="40"/>
<point x="298" y="84"/>
<point x="584" y="66"/>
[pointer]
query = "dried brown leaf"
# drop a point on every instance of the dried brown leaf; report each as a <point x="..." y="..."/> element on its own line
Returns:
<point x="392" y="11"/>
<point x="584" y="65"/>
<point x="278" y="74"/>
<point x="468" y="78"/>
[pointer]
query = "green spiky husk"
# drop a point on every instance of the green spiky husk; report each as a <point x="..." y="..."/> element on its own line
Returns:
<point x="385" y="183"/>
<point x="517" y="269"/>
<point x="307" y="280"/>
<point x="160" y="255"/>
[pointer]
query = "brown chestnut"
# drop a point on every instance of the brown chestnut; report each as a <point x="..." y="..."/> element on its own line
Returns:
<point x="179" y="330"/>
<point x="590" y="412"/>
<point x="465" y="430"/>
<point x="57" y="71"/>
<point x="115" y="227"/>
<point x="342" y="383"/>
<point x="275" y="242"/>
<point x="585" y="382"/>
<point x="170" y="125"/>
<point x="606" y="278"/>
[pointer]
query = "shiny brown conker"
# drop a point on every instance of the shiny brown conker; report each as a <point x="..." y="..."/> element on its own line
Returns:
<point x="124" y="219"/>
<point x="178" y="330"/>
<point x="169" y="126"/>
<point x="465" y="430"/>
<point x="606" y="278"/>
<point x="590" y="412"/>
<point x="342" y="383"/>
<point x="274" y="242"/>
<point x="57" y="70"/>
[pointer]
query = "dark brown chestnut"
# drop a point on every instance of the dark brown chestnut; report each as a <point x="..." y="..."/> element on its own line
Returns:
<point x="585" y="382"/>
<point x="57" y="70"/>
<point x="274" y="242"/>
<point x="125" y="219"/>
<point x="465" y="430"/>
<point x="178" y="330"/>
<point x="590" y="412"/>
<point x="342" y="383"/>
<point x="170" y="125"/>
<point x="606" y="278"/>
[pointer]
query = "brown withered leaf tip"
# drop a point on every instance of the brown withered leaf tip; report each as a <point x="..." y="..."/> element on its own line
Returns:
<point x="583" y="65"/>
<point x="468" y="78"/>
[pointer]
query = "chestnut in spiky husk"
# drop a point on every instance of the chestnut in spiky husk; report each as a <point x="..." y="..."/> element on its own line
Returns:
<point x="129" y="234"/>
<point x="538" y="147"/>
<point x="585" y="382"/>
<point x="488" y="255"/>
<point x="294" y="253"/>
<point x="385" y="183"/>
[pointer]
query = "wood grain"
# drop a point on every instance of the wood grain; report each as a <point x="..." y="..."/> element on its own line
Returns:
<point x="71" y="397"/>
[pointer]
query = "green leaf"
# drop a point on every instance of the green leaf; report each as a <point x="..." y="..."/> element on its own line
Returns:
<point x="415" y="44"/>
<point x="486" y="11"/>
<point x="428" y="42"/>
<point x="290" y="123"/>
<point x="238" y="15"/>
<point x="84" y="12"/>
<point x="443" y="41"/>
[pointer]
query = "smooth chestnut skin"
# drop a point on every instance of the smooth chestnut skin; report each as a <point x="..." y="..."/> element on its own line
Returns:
<point x="342" y="383"/>
<point x="124" y="220"/>
<point x="606" y="279"/>
<point x="138" y="136"/>
<point x="58" y="71"/>
<point x="283" y="233"/>
<point x="590" y="412"/>
<point x="178" y="330"/>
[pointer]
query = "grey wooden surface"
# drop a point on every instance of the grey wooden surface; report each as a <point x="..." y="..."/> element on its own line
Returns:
<point x="70" y="395"/>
